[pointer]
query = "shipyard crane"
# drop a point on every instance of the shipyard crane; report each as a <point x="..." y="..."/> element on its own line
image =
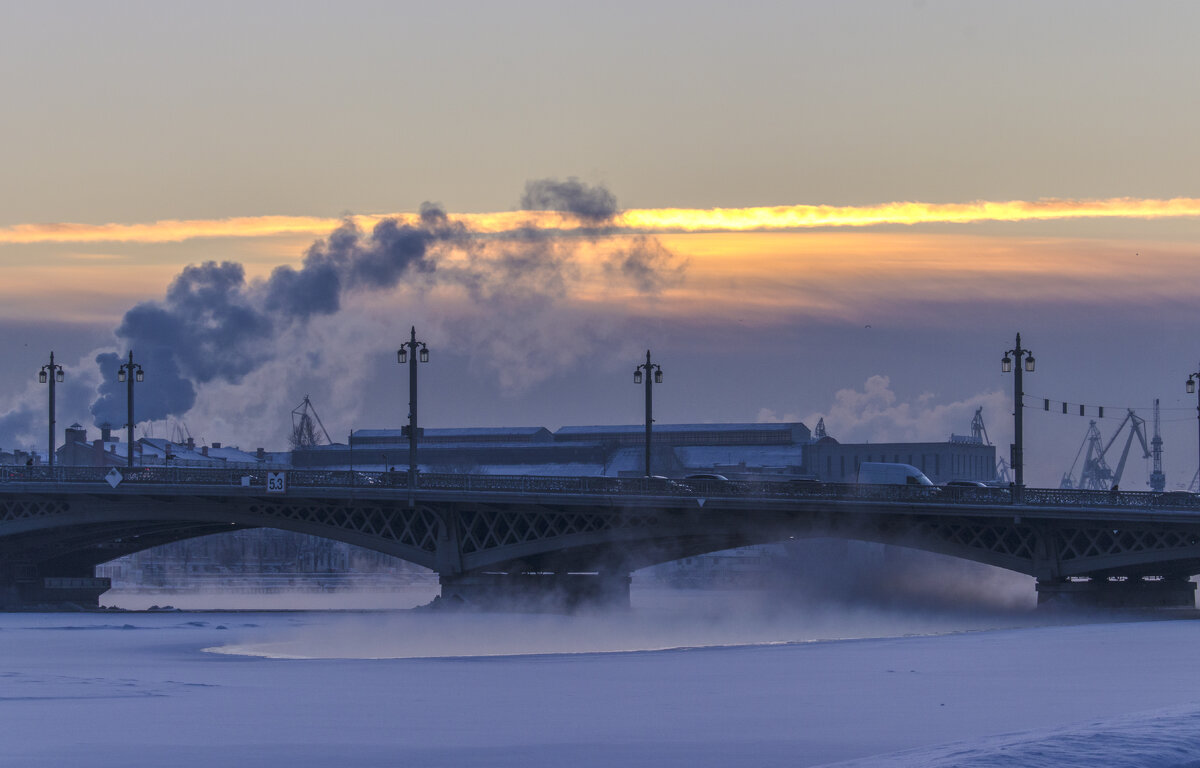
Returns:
<point x="1158" y="480"/>
<point x="978" y="430"/>
<point x="304" y="426"/>
<point x="1095" y="474"/>
<point x="1002" y="471"/>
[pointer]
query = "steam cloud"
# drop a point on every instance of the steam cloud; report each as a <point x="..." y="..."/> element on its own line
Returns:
<point x="595" y="205"/>
<point x="214" y="325"/>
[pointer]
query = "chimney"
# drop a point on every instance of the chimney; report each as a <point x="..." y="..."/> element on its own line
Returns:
<point x="106" y="432"/>
<point x="191" y="444"/>
<point x="204" y="450"/>
<point x="260" y="454"/>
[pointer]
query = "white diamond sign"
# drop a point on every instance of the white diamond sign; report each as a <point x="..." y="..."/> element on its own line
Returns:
<point x="114" y="477"/>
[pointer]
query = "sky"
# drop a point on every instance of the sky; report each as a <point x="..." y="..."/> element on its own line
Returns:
<point x="804" y="210"/>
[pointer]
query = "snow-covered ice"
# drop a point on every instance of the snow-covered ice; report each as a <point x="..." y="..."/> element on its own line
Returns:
<point x="695" y="681"/>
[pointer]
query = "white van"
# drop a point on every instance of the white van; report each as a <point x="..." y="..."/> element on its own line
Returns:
<point x="879" y="473"/>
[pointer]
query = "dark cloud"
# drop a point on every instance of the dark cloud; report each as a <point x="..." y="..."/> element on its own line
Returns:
<point x="593" y="204"/>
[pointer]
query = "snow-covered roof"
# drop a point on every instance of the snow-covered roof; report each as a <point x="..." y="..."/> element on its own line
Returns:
<point x="626" y="460"/>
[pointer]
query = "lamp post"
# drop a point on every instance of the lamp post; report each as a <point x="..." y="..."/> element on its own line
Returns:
<point x="50" y="374"/>
<point x="651" y="371"/>
<point x="129" y="372"/>
<point x="1017" y="460"/>
<point x="409" y="352"/>
<point x="1191" y="387"/>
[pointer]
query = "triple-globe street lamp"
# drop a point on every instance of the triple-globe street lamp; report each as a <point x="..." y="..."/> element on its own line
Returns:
<point x="1017" y="459"/>
<point x="651" y="371"/>
<point x="129" y="372"/>
<point x="50" y="374"/>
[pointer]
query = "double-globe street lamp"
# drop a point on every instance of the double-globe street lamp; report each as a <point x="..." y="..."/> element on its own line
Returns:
<point x="51" y="374"/>
<point x="651" y="371"/>
<point x="409" y="352"/>
<point x="1191" y="387"/>
<point x="129" y="372"/>
<point x="1017" y="459"/>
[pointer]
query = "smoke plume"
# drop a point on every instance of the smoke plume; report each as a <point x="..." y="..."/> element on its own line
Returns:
<point x="594" y="205"/>
<point x="216" y="327"/>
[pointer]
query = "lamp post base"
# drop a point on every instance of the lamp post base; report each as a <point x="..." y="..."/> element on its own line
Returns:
<point x="52" y="593"/>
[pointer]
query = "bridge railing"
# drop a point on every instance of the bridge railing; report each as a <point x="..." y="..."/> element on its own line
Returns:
<point x="766" y="489"/>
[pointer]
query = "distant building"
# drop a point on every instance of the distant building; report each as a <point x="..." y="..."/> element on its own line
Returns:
<point x="612" y="451"/>
<point x="959" y="459"/>
<point x="740" y="450"/>
<point x="109" y="451"/>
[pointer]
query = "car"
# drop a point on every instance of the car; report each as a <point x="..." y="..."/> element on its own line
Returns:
<point x="659" y="482"/>
<point x="965" y="484"/>
<point x="888" y="473"/>
<point x="708" y="476"/>
<point x="804" y="482"/>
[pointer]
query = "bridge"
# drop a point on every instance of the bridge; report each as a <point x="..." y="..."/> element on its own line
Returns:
<point x="514" y="539"/>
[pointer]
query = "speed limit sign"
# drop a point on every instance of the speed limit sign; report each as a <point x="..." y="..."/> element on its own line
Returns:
<point x="277" y="482"/>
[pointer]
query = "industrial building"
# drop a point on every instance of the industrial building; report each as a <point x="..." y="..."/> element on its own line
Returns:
<point x="738" y="451"/>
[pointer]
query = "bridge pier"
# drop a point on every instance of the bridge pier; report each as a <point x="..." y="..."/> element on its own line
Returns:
<point x="536" y="592"/>
<point x="1134" y="592"/>
<point x="23" y="588"/>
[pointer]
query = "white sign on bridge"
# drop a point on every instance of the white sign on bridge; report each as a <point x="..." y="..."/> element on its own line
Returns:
<point x="277" y="482"/>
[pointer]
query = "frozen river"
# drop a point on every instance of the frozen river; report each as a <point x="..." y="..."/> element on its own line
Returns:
<point x="685" y="679"/>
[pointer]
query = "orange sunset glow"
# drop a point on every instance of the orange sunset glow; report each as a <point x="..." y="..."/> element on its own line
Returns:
<point x="645" y="221"/>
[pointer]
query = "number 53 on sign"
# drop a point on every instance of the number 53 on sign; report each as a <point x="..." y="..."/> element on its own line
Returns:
<point x="276" y="482"/>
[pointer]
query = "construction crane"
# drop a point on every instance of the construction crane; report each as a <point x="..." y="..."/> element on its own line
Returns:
<point x="304" y="426"/>
<point x="1158" y="481"/>
<point x="1002" y="471"/>
<point x="978" y="431"/>
<point x="978" y="436"/>
<point x="1095" y="474"/>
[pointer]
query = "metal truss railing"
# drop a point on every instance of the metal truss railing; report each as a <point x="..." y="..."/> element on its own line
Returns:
<point x="609" y="486"/>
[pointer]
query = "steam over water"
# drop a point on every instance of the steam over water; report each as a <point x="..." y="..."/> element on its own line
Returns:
<point x="659" y="619"/>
